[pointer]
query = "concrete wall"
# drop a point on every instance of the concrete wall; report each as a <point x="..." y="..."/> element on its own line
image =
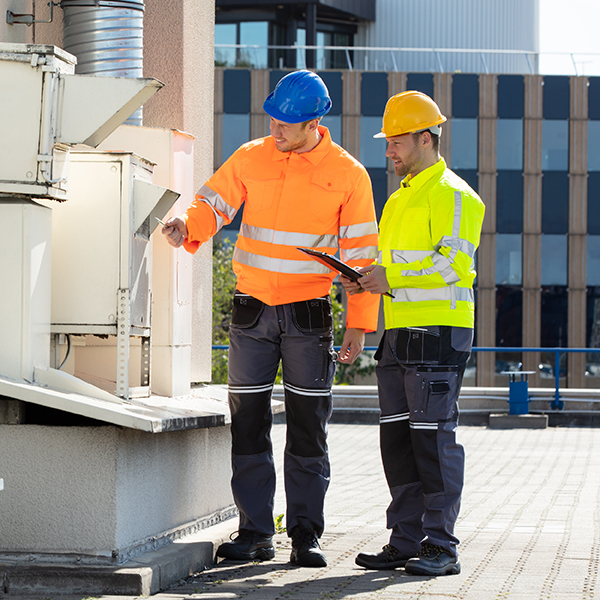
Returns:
<point x="107" y="492"/>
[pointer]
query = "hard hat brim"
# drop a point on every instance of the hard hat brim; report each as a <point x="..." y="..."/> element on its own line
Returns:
<point x="435" y="129"/>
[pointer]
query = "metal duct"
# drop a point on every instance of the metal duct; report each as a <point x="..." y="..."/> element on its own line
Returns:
<point x="106" y="36"/>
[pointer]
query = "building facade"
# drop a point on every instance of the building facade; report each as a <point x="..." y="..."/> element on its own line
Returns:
<point x="530" y="146"/>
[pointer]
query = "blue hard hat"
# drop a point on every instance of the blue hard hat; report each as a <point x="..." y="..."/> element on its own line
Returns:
<point x="299" y="96"/>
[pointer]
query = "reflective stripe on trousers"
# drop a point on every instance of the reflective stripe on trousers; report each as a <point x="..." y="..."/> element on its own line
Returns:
<point x="292" y="334"/>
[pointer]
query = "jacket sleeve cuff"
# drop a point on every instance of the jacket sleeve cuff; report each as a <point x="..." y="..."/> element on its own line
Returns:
<point x="363" y="311"/>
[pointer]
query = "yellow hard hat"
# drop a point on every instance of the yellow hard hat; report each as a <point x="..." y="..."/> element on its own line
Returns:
<point x="410" y="112"/>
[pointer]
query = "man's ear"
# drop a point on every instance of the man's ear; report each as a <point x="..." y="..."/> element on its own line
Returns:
<point x="426" y="138"/>
<point x="312" y="125"/>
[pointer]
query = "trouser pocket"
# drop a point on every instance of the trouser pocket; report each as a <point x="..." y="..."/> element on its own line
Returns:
<point x="436" y="393"/>
<point x="313" y="316"/>
<point x="418" y="346"/>
<point x="246" y="310"/>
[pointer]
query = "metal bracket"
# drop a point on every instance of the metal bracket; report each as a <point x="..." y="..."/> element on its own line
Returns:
<point x="14" y="19"/>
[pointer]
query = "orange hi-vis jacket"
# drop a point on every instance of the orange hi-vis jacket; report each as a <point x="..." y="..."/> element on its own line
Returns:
<point x="320" y="199"/>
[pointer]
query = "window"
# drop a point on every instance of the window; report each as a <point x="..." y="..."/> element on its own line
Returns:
<point x="509" y="259"/>
<point x="236" y="131"/>
<point x="509" y="202"/>
<point x="373" y="95"/>
<point x="509" y="144"/>
<point x="334" y="124"/>
<point x="257" y="34"/>
<point x="509" y="320"/>
<point x="463" y="144"/>
<point x="511" y="96"/>
<point x="593" y="260"/>
<point x="593" y="145"/>
<point x="554" y="319"/>
<point x="556" y="97"/>
<point x="252" y="33"/>
<point x="465" y="95"/>
<point x="225" y="34"/>
<point x="555" y="202"/>
<point x="421" y="82"/>
<point x="554" y="260"/>
<point x="372" y="150"/>
<point x="555" y="145"/>
<point x="593" y="203"/>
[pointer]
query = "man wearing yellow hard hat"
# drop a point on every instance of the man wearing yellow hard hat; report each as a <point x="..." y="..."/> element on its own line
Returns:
<point x="429" y="232"/>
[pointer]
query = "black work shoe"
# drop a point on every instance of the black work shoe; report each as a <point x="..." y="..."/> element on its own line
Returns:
<point x="388" y="558"/>
<point x="248" y="545"/>
<point x="433" y="560"/>
<point x="306" y="551"/>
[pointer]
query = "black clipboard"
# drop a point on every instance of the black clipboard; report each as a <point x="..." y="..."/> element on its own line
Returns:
<point x="335" y="264"/>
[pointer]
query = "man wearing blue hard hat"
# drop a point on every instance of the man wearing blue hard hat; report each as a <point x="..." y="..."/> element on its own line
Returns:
<point x="300" y="190"/>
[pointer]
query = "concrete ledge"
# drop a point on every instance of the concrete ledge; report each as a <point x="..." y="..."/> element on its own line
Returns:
<point x="508" y="421"/>
<point x="146" y="575"/>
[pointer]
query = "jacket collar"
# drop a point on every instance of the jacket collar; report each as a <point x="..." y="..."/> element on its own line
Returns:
<point x="418" y="181"/>
<point x="315" y="156"/>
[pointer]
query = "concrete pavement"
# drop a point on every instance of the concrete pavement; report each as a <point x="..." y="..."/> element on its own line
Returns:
<point x="529" y="526"/>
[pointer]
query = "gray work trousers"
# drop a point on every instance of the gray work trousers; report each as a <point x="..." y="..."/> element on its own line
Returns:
<point x="300" y="335"/>
<point x="419" y="374"/>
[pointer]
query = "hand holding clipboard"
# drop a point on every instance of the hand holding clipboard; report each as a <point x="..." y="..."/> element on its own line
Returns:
<point x="335" y="264"/>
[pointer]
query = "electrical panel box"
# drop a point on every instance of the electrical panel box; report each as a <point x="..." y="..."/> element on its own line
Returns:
<point x="101" y="251"/>
<point x="25" y="260"/>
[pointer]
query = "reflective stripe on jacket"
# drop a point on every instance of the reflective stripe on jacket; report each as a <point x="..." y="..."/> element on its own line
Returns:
<point x="429" y="232"/>
<point x="320" y="199"/>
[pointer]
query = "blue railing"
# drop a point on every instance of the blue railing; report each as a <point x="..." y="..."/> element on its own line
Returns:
<point x="557" y="403"/>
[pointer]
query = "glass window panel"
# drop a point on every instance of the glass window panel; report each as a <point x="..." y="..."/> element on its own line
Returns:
<point x="379" y="183"/>
<point x="593" y="145"/>
<point x="421" y="82"/>
<point x="463" y="144"/>
<point x="333" y="81"/>
<point x="373" y="95"/>
<point x="554" y="320"/>
<point x="594" y="98"/>
<point x="236" y="131"/>
<point x="320" y="58"/>
<point x="511" y="96"/>
<point x="509" y="145"/>
<point x="509" y="322"/>
<point x="372" y="150"/>
<point x="554" y="259"/>
<point x="592" y="334"/>
<point x="465" y="95"/>
<point x="593" y="203"/>
<point x="334" y="124"/>
<point x="593" y="260"/>
<point x="555" y="145"/>
<point x="509" y="259"/>
<point x="236" y="91"/>
<point x="256" y="33"/>
<point x="555" y="202"/>
<point x="225" y="34"/>
<point x="556" y="97"/>
<point x="301" y="52"/>
<point x="470" y="176"/>
<point x="509" y="202"/>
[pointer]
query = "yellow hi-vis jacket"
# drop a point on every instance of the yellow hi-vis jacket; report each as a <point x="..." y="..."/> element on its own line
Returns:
<point x="320" y="199"/>
<point x="429" y="231"/>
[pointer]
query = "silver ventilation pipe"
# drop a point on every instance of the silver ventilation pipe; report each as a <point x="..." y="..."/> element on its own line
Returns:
<point x="107" y="37"/>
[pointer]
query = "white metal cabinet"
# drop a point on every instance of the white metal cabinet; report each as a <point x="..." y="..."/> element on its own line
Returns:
<point x="25" y="279"/>
<point x="101" y="265"/>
